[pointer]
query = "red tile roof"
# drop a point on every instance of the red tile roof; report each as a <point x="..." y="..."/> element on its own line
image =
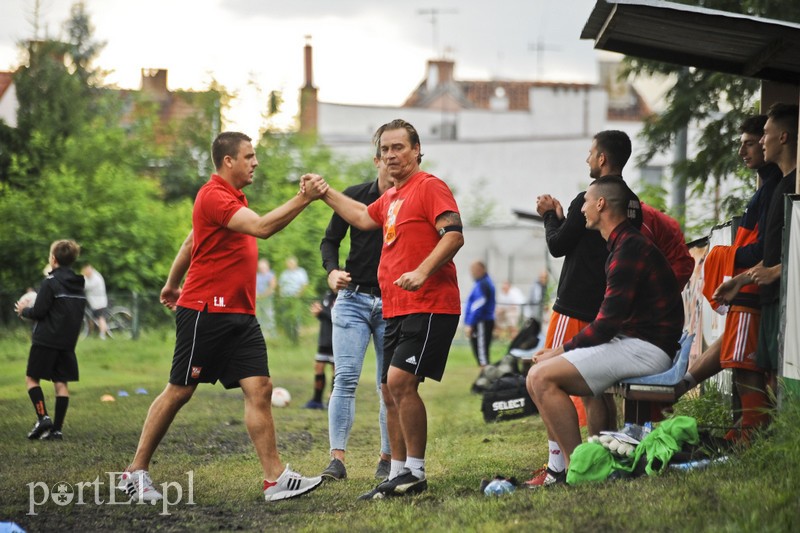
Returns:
<point x="6" y="79"/>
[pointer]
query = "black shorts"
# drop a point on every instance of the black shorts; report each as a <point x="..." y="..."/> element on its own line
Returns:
<point x="52" y="364"/>
<point x="418" y="344"/>
<point x="217" y="346"/>
<point x="97" y="313"/>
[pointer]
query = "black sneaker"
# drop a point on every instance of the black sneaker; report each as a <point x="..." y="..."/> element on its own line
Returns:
<point x="406" y="483"/>
<point x="374" y="494"/>
<point x="54" y="434"/>
<point x="335" y="470"/>
<point x="42" y="425"/>
<point x="377" y="493"/>
<point x="384" y="467"/>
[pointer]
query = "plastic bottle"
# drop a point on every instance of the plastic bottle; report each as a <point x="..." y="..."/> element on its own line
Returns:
<point x="498" y="487"/>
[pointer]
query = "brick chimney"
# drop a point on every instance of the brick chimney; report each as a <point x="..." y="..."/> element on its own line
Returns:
<point x="440" y="72"/>
<point x="308" y="94"/>
<point x="154" y="83"/>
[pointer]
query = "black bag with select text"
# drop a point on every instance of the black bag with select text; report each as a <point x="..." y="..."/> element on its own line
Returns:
<point x="507" y="399"/>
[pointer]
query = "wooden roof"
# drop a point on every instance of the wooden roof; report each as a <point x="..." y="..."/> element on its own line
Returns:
<point x="685" y="35"/>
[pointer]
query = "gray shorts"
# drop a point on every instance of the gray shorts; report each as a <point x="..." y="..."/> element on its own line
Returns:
<point x="623" y="357"/>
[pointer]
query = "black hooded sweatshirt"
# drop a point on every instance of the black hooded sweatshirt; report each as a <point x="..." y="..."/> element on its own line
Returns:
<point x="58" y="310"/>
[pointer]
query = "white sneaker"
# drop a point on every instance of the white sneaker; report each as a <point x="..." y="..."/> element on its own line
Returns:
<point x="139" y="486"/>
<point x="289" y="485"/>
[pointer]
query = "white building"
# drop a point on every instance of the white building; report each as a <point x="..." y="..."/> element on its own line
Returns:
<point x="8" y="99"/>
<point x="498" y="144"/>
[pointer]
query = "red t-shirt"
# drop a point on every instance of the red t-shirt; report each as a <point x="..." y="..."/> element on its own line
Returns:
<point x="665" y="232"/>
<point x="408" y="216"/>
<point x="222" y="273"/>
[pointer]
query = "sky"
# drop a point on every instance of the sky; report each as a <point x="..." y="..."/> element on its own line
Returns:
<point x="365" y="52"/>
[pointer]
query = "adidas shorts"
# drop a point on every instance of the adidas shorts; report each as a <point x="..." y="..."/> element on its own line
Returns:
<point x="561" y="329"/>
<point x="419" y="344"/>
<point x="740" y="339"/>
<point x="211" y="347"/>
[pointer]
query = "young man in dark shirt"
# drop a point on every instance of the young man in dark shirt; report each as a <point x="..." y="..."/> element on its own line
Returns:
<point x="780" y="147"/>
<point x="635" y="332"/>
<point x="736" y="347"/>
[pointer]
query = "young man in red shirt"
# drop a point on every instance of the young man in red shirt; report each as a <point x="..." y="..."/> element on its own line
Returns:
<point x="218" y="336"/>
<point x="421" y="303"/>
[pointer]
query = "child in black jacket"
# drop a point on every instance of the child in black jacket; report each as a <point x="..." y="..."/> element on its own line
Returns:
<point x="58" y="312"/>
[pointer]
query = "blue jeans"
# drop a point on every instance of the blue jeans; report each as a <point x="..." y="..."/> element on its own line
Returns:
<point x="355" y="318"/>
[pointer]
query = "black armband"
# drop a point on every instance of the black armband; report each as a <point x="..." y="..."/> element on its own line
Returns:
<point x="447" y="229"/>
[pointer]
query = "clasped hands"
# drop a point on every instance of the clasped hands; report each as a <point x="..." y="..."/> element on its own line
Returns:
<point x="312" y="186"/>
<point x="545" y="203"/>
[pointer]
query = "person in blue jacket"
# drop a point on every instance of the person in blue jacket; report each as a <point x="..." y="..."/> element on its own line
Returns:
<point x="479" y="314"/>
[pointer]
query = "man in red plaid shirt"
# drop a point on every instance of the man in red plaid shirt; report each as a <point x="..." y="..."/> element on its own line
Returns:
<point x="635" y="333"/>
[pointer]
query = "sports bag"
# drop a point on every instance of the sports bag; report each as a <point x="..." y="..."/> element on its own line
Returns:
<point x="507" y="399"/>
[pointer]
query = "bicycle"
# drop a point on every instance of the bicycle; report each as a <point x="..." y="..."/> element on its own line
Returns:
<point x="119" y="321"/>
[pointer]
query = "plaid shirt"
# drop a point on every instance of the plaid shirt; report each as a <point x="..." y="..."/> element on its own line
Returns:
<point x="642" y="298"/>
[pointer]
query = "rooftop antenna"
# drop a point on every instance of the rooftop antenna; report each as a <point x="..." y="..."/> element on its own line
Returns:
<point x="540" y="47"/>
<point x="434" y="13"/>
<point x="35" y="19"/>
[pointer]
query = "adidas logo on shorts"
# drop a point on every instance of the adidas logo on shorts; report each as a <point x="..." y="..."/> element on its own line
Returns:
<point x="412" y="360"/>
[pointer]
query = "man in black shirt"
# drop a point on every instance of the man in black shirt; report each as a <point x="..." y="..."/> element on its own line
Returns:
<point x="780" y="147"/>
<point x="357" y="316"/>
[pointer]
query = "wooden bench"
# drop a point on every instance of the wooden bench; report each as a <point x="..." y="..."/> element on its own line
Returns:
<point x="645" y="397"/>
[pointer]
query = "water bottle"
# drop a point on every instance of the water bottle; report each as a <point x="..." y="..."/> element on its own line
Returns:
<point x="498" y="487"/>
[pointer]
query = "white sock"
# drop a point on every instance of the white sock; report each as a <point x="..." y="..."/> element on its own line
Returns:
<point x="396" y="468"/>
<point x="555" y="460"/>
<point x="417" y="466"/>
<point x="690" y="378"/>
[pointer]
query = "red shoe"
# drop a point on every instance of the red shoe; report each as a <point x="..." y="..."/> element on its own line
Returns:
<point x="545" y="477"/>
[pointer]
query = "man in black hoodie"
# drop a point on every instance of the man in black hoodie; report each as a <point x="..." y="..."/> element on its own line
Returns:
<point x="58" y="312"/>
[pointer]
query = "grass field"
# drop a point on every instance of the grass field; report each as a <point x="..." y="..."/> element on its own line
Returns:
<point x="758" y="490"/>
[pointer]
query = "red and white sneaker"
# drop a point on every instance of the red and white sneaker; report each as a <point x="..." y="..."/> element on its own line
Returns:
<point x="289" y="485"/>
<point x="545" y="477"/>
<point x="139" y="486"/>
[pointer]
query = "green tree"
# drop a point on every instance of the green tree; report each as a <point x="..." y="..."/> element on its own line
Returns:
<point x="715" y="101"/>
<point x="479" y="206"/>
<point x="55" y="90"/>
<point x="116" y="215"/>
<point x="70" y="169"/>
<point x="283" y="158"/>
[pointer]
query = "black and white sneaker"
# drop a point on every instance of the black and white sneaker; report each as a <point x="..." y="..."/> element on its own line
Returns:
<point x="335" y="470"/>
<point x="376" y="493"/>
<point x="40" y="427"/>
<point x="139" y="486"/>
<point x="53" y="434"/>
<point x="405" y="483"/>
<point x="290" y="484"/>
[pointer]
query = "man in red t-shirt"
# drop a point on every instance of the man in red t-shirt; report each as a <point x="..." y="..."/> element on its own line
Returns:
<point x="217" y="334"/>
<point x="422" y="232"/>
